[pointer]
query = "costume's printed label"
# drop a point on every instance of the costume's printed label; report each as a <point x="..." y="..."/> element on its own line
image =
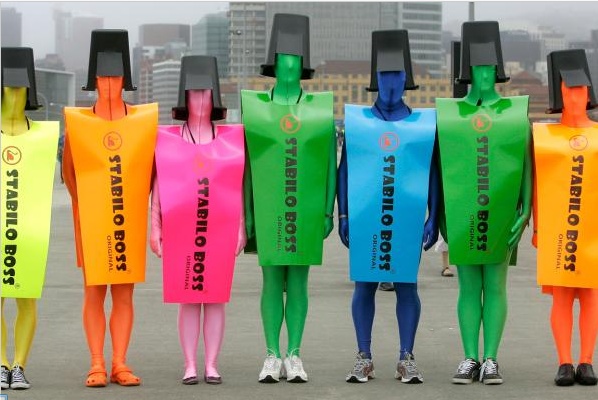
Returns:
<point x="565" y="198"/>
<point x="28" y="163"/>
<point x="482" y="151"/>
<point x="289" y="152"/>
<point x="113" y="166"/>
<point x="388" y="168"/>
<point x="201" y="190"/>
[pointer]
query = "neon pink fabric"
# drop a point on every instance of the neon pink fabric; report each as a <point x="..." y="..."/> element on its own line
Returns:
<point x="200" y="196"/>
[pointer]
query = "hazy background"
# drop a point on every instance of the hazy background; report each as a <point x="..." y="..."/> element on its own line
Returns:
<point x="574" y="18"/>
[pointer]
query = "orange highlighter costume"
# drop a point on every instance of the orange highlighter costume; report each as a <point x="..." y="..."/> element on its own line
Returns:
<point x="107" y="166"/>
<point x="565" y="212"/>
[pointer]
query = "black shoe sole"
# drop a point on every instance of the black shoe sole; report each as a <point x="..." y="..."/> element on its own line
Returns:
<point x="268" y="379"/>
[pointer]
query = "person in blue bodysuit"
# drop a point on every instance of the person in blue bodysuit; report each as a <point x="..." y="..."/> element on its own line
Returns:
<point x="389" y="106"/>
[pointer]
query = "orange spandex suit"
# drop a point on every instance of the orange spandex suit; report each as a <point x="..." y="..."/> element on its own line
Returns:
<point x="107" y="166"/>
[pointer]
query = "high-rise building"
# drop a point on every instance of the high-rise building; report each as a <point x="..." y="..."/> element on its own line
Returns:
<point x="12" y="30"/>
<point x="73" y="37"/>
<point x="165" y="87"/>
<point x="211" y="36"/>
<point x="519" y="46"/>
<point x="550" y="40"/>
<point x="248" y="39"/>
<point x="338" y="30"/>
<point x="157" y="43"/>
<point x="160" y="34"/>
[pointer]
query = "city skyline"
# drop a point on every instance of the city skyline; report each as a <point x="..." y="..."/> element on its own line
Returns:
<point x="574" y="19"/>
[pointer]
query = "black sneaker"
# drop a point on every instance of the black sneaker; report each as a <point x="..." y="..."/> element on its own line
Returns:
<point x="565" y="375"/>
<point x="585" y="375"/>
<point x="489" y="374"/>
<point x="5" y="377"/>
<point x="17" y="378"/>
<point x="467" y="371"/>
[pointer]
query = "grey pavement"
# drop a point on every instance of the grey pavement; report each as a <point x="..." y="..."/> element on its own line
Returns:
<point x="59" y="358"/>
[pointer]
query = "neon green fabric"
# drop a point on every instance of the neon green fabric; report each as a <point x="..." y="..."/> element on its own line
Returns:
<point x="482" y="300"/>
<point x="289" y="152"/>
<point x="482" y="152"/>
<point x="28" y="162"/>
<point x="294" y="280"/>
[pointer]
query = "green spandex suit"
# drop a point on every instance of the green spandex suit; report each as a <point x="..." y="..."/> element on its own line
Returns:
<point x="292" y="158"/>
<point x="489" y="167"/>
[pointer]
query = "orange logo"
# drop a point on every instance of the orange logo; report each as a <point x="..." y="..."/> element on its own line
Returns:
<point x="578" y="142"/>
<point x="200" y="163"/>
<point x="389" y="141"/>
<point x="113" y="141"/>
<point x="11" y="155"/>
<point x="481" y="123"/>
<point x="290" y="124"/>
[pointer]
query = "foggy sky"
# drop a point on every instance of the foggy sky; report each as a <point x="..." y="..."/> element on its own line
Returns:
<point x="575" y="19"/>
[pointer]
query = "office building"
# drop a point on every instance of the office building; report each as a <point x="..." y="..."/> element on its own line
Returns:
<point x="211" y="36"/>
<point x="12" y="29"/>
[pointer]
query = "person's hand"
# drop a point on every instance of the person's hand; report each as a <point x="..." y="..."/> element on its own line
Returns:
<point x="328" y="226"/>
<point x="242" y="239"/>
<point x="156" y="242"/>
<point x="430" y="235"/>
<point x="343" y="231"/>
<point x="517" y="230"/>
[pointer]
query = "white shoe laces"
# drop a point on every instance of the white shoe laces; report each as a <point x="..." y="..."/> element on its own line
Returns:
<point x="466" y="366"/>
<point x="489" y="367"/>
<point x="270" y="362"/>
<point x="296" y="364"/>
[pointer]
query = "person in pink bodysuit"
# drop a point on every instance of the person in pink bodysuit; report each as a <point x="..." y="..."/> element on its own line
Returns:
<point x="201" y="110"/>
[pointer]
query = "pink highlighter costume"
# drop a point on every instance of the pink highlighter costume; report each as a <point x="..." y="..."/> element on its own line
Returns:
<point x="196" y="209"/>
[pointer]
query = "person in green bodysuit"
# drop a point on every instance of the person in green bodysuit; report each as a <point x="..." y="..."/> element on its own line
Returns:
<point x="482" y="282"/>
<point x="282" y="270"/>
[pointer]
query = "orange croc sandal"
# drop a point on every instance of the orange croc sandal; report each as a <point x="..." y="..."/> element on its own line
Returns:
<point x="124" y="376"/>
<point x="96" y="377"/>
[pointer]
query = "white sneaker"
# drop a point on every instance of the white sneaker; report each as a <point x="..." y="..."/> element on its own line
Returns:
<point x="293" y="366"/>
<point x="272" y="369"/>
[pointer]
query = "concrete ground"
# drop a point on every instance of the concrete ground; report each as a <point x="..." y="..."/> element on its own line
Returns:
<point x="59" y="358"/>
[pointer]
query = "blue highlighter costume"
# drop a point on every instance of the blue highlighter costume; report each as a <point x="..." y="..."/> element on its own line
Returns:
<point x="387" y="154"/>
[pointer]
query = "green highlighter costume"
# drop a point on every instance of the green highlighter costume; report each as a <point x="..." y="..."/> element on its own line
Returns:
<point x="484" y="143"/>
<point x="292" y="163"/>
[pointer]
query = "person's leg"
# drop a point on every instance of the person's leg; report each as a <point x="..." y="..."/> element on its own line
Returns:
<point x="296" y="306"/>
<point x="408" y="310"/>
<point x="588" y="323"/>
<point x="94" y="324"/>
<point x="272" y="306"/>
<point x="121" y="326"/>
<point x="561" y="321"/>
<point x="363" y="309"/>
<point x="494" y="314"/>
<point x="213" y="333"/>
<point x="189" y="318"/>
<point x="25" y="324"/>
<point x="469" y="308"/>
<point x="5" y="361"/>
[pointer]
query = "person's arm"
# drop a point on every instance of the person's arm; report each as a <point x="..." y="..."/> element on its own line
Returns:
<point x="431" y="225"/>
<point x="525" y="195"/>
<point x="330" y="188"/>
<point x="248" y="199"/>
<point x="156" y="217"/>
<point x="343" y="207"/>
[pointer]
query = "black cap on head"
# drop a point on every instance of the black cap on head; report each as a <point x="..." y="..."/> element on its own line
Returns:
<point x="199" y="72"/>
<point x="390" y="52"/>
<point x="290" y="35"/>
<point x="18" y="70"/>
<point x="459" y="89"/>
<point x="571" y="67"/>
<point x="480" y="45"/>
<point x="109" y="56"/>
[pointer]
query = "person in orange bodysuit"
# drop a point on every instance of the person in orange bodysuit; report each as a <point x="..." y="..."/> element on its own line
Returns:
<point x="109" y="74"/>
<point x="558" y="144"/>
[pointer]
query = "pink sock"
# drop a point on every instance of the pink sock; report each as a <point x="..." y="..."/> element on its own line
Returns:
<point x="213" y="332"/>
<point x="189" y="317"/>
